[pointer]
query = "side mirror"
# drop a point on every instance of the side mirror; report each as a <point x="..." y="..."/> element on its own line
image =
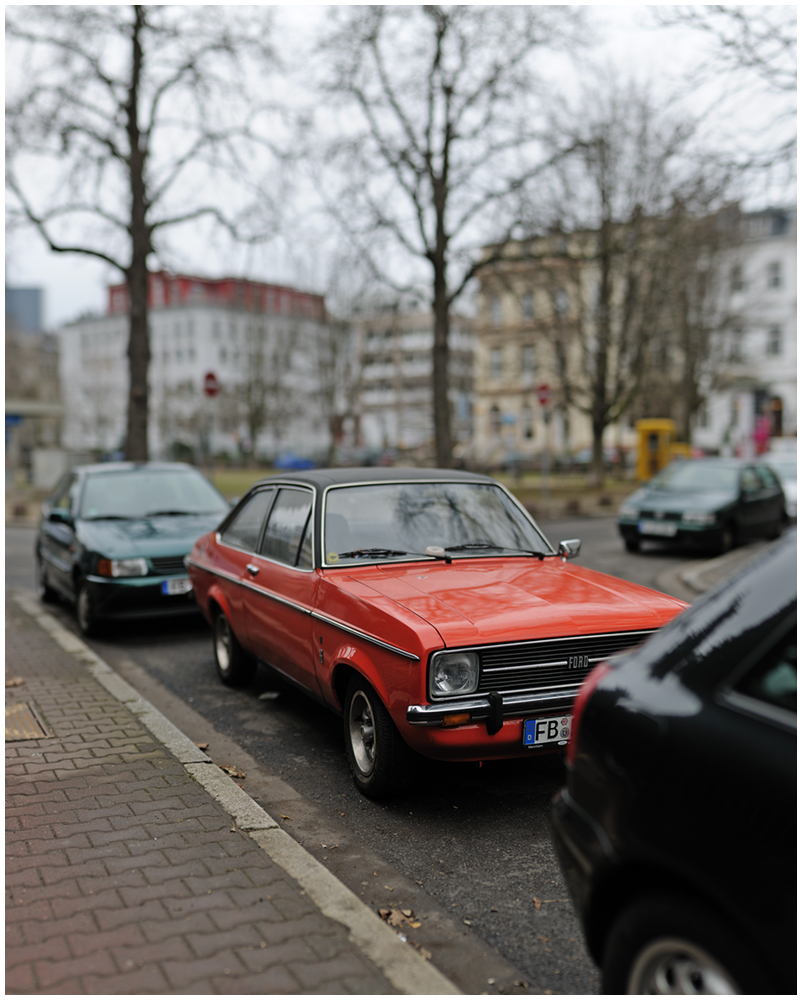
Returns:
<point x="569" y="548"/>
<point x="59" y="516"/>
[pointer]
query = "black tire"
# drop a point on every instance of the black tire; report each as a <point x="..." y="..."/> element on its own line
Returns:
<point x="45" y="592"/>
<point x="380" y="760"/>
<point x="666" y="944"/>
<point x="235" y="667"/>
<point x="85" y="612"/>
<point x="632" y="544"/>
<point x="727" y="539"/>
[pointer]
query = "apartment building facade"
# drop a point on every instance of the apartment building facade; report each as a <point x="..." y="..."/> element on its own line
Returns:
<point x="257" y="340"/>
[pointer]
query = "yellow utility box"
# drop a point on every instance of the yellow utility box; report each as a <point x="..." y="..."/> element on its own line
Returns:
<point x="657" y="445"/>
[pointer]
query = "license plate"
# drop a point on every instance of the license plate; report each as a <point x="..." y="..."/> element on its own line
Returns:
<point x="179" y="585"/>
<point x="554" y="729"/>
<point x="666" y="529"/>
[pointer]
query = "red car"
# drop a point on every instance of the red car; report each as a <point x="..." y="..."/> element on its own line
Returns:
<point x="423" y="605"/>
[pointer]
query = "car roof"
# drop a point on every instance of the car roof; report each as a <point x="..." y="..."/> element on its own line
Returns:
<point x="131" y="467"/>
<point x="321" y="478"/>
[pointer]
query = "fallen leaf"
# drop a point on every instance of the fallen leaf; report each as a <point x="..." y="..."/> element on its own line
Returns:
<point x="202" y="746"/>
<point x="269" y="695"/>
<point x="407" y="913"/>
<point x="13" y="682"/>
<point x="233" y="772"/>
<point x="537" y="902"/>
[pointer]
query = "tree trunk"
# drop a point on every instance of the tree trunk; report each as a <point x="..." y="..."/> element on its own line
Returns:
<point x="136" y="443"/>
<point x="441" y="401"/>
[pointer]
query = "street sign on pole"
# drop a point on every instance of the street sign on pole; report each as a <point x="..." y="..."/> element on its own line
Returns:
<point x="210" y="384"/>
<point x="543" y="394"/>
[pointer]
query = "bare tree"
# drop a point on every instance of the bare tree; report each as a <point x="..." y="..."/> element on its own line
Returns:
<point x="625" y="194"/>
<point x="115" y="118"/>
<point x="438" y="110"/>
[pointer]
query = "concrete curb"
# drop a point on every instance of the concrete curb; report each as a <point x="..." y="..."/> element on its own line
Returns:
<point x="404" y="968"/>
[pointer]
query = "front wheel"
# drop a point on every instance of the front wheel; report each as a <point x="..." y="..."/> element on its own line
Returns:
<point x="667" y="945"/>
<point x="380" y="760"/>
<point x="46" y="593"/>
<point x="85" y="611"/>
<point x="235" y="667"/>
<point x="632" y="544"/>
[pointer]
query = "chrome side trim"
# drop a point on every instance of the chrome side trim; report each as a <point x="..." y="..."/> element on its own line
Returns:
<point x="314" y="614"/>
<point x="358" y="633"/>
<point x="250" y="586"/>
<point x="479" y="708"/>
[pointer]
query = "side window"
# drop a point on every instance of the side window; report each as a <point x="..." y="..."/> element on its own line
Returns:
<point x="243" y="530"/>
<point x="749" y="481"/>
<point x="286" y="526"/>
<point x="64" y="496"/>
<point x="767" y="476"/>
<point x="773" y="679"/>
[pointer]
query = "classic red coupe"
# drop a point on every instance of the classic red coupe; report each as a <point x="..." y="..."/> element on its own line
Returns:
<point x="424" y="605"/>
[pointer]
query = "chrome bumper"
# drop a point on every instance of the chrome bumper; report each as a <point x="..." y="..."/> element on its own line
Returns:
<point x="494" y="707"/>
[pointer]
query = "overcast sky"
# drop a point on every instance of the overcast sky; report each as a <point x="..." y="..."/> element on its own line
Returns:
<point x="625" y="36"/>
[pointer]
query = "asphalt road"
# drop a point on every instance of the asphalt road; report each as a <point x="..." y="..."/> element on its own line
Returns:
<point x="468" y="850"/>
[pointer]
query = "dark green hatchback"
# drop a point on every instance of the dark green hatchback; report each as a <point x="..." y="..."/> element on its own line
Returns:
<point x="712" y="503"/>
<point x="113" y="537"/>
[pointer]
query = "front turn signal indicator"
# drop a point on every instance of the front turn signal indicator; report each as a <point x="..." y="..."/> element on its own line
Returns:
<point x="456" y="719"/>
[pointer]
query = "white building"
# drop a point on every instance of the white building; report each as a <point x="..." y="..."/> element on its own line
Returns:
<point x="395" y="399"/>
<point x="258" y="340"/>
<point x="753" y="389"/>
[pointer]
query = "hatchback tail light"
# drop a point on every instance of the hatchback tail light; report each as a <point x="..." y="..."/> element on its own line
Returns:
<point x="588" y="687"/>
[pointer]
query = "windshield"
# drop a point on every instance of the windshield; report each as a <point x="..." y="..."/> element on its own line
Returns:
<point x="699" y="477"/>
<point x="149" y="492"/>
<point x="404" y="520"/>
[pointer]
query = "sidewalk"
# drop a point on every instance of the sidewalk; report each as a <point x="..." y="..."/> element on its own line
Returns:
<point x="135" y="865"/>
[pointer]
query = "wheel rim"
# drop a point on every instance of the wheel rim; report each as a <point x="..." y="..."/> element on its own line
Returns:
<point x="362" y="731"/>
<point x="672" y="967"/>
<point x="83" y="610"/>
<point x="222" y="643"/>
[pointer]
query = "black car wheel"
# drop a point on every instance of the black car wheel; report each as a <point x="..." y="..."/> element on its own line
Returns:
<point x="380" y="761"/>
<point x="235" y="667"/>
<point x="666" y="945"/>
<point x="46" y="593"/>
<point x="85" y="612"/>
<point x="632" y="544"/>
<point x="726" y="539"/>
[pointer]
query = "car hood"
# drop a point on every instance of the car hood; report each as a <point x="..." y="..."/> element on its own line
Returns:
<point x="151" y="536"/>
<point x="666" y="500"/>
<point x="481" y="601"/>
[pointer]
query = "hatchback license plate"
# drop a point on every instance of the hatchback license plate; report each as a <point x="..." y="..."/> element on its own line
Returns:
<point x="181" y="585"/>
<point x="666" y="529"/>
<point x="554" y="729"/>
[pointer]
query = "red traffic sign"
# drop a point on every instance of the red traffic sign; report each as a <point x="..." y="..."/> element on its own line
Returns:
<point x="210" y="384"/>
<point x="543" y="394"/>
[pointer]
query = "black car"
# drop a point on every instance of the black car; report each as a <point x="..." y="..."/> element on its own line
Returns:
<point x="677" y="828"/>
<point x="113" y="538"/>
<point x="713" y="503"/>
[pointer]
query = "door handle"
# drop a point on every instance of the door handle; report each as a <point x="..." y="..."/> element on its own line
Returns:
<point x="253" y="570"/>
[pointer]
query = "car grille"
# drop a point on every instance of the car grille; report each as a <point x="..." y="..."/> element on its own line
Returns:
<point x="169" y="564"/>
<point x="549" y="663"/>
<point x="663" y="515"/>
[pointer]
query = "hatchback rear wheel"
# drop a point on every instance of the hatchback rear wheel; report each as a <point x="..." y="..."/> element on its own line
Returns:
<point x="666" y="945"/>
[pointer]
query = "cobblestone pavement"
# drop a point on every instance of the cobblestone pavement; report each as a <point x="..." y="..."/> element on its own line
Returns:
<point x="124" y="875"/>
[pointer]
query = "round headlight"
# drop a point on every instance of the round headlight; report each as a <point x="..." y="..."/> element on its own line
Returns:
<point x="453" y="674"/>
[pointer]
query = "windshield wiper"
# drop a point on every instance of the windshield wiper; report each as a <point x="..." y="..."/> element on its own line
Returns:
<point x="484" y="546"/>
<point x="108" y="517"/>
<point x="379" y="553"/>
<point x="168" y="513"/>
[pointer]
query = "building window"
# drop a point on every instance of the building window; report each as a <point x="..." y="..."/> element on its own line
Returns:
<point x="737" y="344"/>
<point x="774" y="343"/>
<point x="496" y="363"/>
<point x="528" y="358"/>
<point x="736" y="278"/>
<point x="775" y="274"/>
<point x="528" y="305"/>
<point x="560" y="301"/>
<point x="527" y="422"/>
<point x="495" y="421"/>
<point x="495" y="310"/>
